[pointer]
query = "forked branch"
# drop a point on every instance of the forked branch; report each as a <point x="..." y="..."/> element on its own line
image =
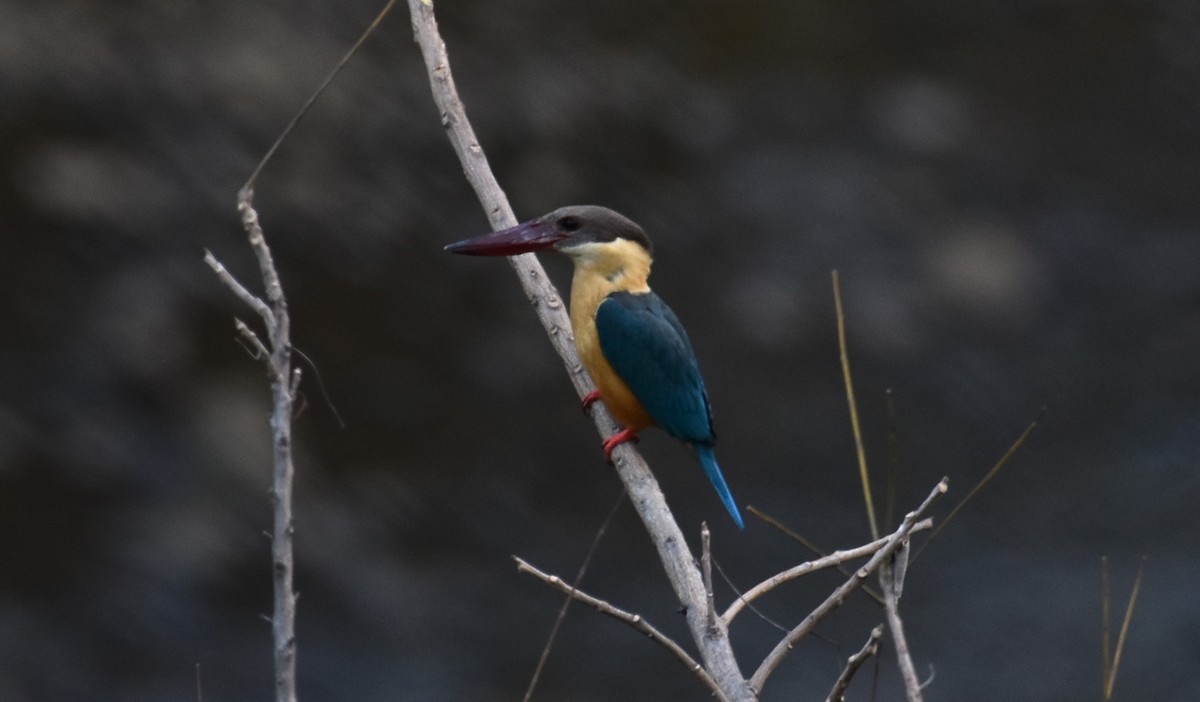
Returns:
<point x="895" y="541"/>
<point x="277" y="355"/>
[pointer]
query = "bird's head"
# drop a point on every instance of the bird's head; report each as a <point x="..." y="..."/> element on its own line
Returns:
<point x="569" y="230"/>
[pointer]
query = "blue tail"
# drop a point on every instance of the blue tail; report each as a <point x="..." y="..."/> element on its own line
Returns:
<point x="705" y="453"/>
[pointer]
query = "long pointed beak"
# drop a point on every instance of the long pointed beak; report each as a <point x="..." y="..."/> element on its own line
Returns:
<point x="533" y="235"/>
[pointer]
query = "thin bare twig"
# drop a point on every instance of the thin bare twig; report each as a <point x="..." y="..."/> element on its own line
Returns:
<point x="738" y="593"/>
<point x="254" y="344"/>
<point x="647" y="497"/>
<point x="838" y="693"/>
<point x="894" y="541"/>
<point x="562" y="611"/>
<point x="834" y="559"/>
<point x="252" y="301"/>
<point x="812" y="547"/>
<point x="634" y="620"/>
<point x="317" y="93"/>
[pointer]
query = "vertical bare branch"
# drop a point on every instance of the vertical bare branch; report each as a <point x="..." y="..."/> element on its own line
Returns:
<point x="647" y="498"/>
<point x="706" y="565"/>
<point x="278" y="359"/>
<point x="891" y="579"/>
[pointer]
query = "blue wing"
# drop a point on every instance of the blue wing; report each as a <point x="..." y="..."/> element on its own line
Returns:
<point x="645" y="344"/>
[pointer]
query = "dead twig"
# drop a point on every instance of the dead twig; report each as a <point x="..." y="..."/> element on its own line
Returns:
<point x="562" y="611"/>
<point x="284" y="381"/>
<point x="838" y="693"/>
<point x="284" y="384"/>
<point x="834" y="559"/>
<point x="891" y="579"/>
<point x="706" y="567"/>
<point x="634" y="620"/>
<point x="812" y="547"/>
<point x="894" y="541"/>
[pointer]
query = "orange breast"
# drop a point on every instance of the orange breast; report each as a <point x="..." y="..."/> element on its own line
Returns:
<point x="600" y="270"/>
<point x="620" y="400"/>
<point x="625" y="408"/>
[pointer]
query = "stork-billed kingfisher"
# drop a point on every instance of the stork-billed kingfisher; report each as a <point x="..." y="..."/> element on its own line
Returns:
<point x="631" y="343"/>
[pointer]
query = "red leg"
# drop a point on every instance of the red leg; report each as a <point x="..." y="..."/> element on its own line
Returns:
<point x="590" y="399"/>
<point x="619" y="438"/>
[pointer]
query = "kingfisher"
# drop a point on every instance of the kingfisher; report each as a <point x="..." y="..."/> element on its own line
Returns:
<point x="631" y="343"/>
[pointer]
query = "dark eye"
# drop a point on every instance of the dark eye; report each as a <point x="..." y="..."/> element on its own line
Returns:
<point x="569" y="224"/>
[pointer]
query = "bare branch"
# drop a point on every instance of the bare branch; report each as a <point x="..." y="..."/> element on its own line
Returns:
<point x="283" y="393"/>
<point x="899" y="569"/>
<point x="647" y="498"/>
<point x="775" y="657"/>
<point x="706" y="566"/>
<point x="812" y="547"/>
<point x="634" y="620"/>
<point x="562" y="611"/>
<point x="266" y="266"/>
<point x="255" y="345"/>
<point x="834" y="559"/>
<point x="891" y="578"/>
<point x="838" y="693"/>
<point x="252" y="301"/>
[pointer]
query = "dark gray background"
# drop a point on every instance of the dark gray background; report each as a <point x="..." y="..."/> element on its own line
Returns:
<point x="1007" y="188"/>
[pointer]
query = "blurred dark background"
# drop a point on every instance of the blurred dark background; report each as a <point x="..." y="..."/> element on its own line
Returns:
<point x="1008" y="189"/>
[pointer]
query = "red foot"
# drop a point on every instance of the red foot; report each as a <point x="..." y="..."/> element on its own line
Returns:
<point x="619" y="438"/>
<point x="590" y="399"/>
